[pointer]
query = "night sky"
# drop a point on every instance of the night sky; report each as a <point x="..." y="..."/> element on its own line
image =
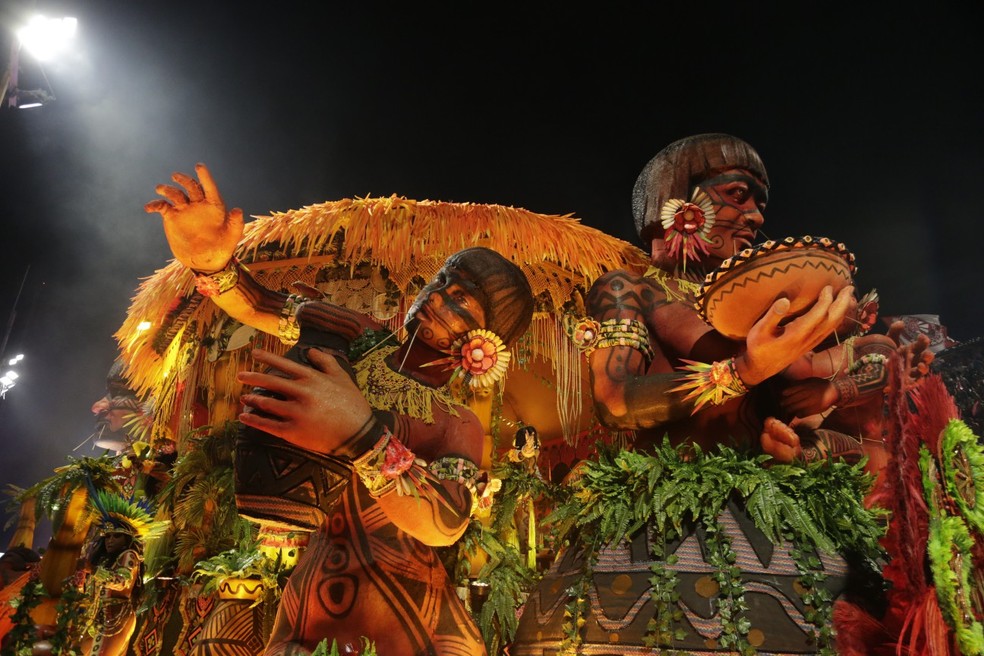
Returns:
<point x="869" y="123"/>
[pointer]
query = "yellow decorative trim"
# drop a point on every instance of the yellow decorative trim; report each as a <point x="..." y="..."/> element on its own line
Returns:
<point x="287" y="330"/>
<point x="662" y="278"/>
<point x="369" y="467"/>
<point x="247" y="589"/>
<point x="387" y="390"/>
<point x="623" y="332"/>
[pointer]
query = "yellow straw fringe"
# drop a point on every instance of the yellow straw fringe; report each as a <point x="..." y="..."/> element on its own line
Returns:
<point x="409" y="240"/>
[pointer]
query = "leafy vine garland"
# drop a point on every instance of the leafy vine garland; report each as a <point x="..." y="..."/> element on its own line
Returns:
<point x="818" y="508"/>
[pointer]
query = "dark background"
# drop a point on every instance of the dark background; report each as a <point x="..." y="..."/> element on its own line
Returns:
<point x="868" y="119"/>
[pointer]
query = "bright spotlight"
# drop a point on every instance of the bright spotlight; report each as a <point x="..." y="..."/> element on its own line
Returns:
<point x="11" y="375"/>
<point x="47" y="37"/>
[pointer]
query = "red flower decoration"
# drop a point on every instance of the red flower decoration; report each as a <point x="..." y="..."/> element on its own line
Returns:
<point x="687" y="224"/>
<point x="867" y="315"/>
<point x="479" y="356"/>
<point x="398" y="459"/>
<point x="585" y="333"/>
<point x="688" y="219"/>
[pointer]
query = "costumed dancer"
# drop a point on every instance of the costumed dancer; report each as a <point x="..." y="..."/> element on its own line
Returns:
<point x="401" y="450"/>
<point x="115" y="570"/>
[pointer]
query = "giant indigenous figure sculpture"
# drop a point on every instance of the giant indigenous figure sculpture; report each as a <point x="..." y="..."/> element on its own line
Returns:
<point x="685" y="541"/>
<point x="402" y="450"/>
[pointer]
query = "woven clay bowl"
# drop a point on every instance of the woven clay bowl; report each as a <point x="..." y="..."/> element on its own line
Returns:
<point x="736" y="295"/>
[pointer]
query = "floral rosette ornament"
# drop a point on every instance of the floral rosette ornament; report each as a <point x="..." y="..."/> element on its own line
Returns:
<point x="584" y="332"/>
<point x="687" y="224"/>
<point x="482" y="358"/>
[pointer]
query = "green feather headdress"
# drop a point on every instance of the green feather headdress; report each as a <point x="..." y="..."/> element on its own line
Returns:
<point x="115" y="514"/>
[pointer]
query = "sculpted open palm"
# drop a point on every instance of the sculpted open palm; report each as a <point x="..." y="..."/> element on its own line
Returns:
<point x="201" y="233"/>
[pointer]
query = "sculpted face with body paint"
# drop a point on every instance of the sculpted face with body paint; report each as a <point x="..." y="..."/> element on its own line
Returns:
<point x="739" y="199"/>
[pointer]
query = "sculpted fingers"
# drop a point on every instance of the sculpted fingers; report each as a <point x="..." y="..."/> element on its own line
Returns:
<point x="269" y="425"/>
<point x="267" y="404"/>
<point x="272" y="382"/>
<point x="770" y="322"/>
<point x="208" y="185"/>
<point x="191" y="186"/>
<point x="158" y="206"/>
<point x="841" y="304"/>
<point x="235" y="218"/>
<point x="325" y="362"/>
<point x="173" y="194"/>
<point x="289" y="367"/>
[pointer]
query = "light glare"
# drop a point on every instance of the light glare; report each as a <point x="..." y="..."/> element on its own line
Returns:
<point x="47" y="37"/>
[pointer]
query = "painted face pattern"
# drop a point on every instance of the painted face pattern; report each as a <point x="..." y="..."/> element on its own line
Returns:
<point x="447" y="308"/>
<point x="739" y="199"/>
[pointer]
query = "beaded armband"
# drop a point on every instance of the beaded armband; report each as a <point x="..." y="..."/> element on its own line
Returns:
<point x="713" y="383"/>
<point x="459" y="470"/>
<point x="381" y="466"/>
<point x="588" y="335"/>
<point x="215" y="284"/>
<point x="287" y="330"/>
<point x="866" y="361"/>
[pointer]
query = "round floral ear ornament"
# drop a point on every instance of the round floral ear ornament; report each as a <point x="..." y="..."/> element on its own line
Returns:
<point x="479" y="357"/>
<point x="687" y="225"/>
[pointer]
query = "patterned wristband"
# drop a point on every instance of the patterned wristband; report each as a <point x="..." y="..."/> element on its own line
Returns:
<point x="847" y="389"/>
<point x="287" y="330"/>
<point x="713" y="383"/>
<point x="215" y="284"/>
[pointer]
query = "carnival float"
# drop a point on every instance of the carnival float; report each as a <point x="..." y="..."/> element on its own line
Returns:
<point x="543" y="565"/>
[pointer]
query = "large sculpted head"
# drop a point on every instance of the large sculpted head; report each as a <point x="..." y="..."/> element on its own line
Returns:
<point x="476" y="288"/>
<point x="730" y="174"/>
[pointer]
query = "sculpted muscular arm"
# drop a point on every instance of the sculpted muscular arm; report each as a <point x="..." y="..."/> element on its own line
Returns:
<point x="322" y="410"/>
<point x="630" y="394"/>
<point x="625" y="396"/>
<point x="441" y="513"/>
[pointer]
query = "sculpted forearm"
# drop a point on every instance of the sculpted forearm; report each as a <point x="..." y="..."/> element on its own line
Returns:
<point x="628" y="399"/>
<point x="439" y="513"/>
<point x="643" y="402"/>
<point x="252" y="304"/>
<point x="437" y="516"/>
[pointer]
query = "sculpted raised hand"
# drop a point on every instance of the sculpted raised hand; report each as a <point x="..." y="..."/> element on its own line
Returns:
<point x="201" y="233"/>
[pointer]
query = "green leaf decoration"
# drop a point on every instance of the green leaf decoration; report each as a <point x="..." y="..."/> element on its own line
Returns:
<point x="674" y="488"/>
<point x="963" y="468"/>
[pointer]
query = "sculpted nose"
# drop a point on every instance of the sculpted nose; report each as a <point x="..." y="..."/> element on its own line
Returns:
<point x="754" y="219"/>
<point x="101" y="406"/>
